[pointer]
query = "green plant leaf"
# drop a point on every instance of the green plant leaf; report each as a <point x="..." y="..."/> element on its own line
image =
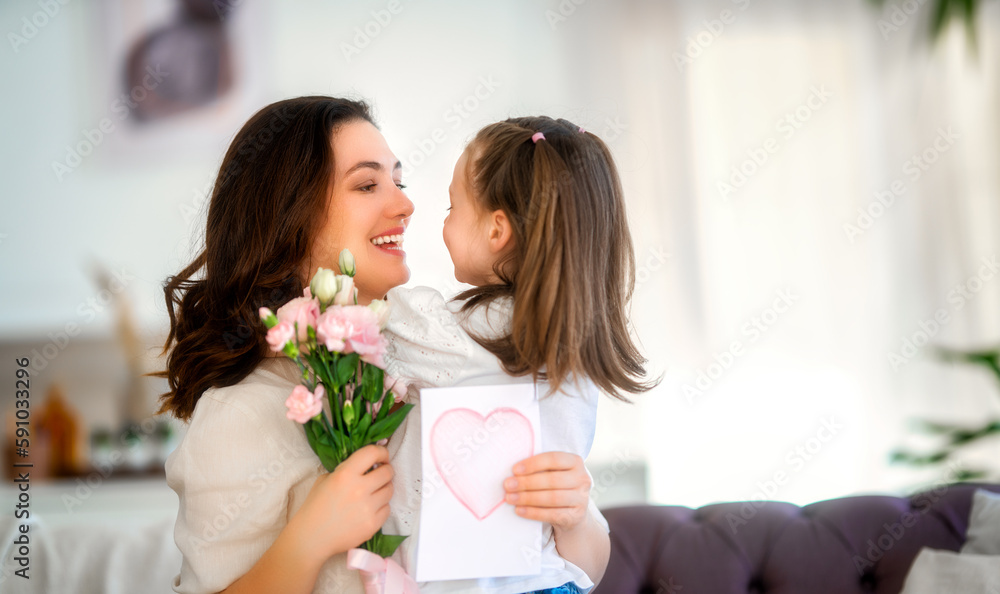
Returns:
<point x="321" y="443"/>
<point x="371" y="382"/>
<point x="907" y="457"/>
<point x="385" y="428"/>
<point x="359" y="407"/>
<point x="383" y="412"/>
<point x="383" y="545"/>
<point x="363" y="425"/>
<point x="970" y="474"/>
<point x="346" y="368"/>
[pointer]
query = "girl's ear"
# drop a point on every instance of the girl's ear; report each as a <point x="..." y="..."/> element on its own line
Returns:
<point x="500" y="232"/>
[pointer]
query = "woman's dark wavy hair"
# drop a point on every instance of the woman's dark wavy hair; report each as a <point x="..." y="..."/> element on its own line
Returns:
<point x="572" y="268"/>
<point x="269" y="201"/>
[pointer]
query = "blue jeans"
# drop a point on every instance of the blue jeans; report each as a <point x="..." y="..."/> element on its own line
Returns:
<point x="567" y="588"/>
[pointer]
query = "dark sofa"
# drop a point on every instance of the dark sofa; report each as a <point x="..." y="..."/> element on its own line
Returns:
<point x="862" y="544"/>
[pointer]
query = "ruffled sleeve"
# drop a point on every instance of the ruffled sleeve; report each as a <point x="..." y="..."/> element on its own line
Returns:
<point x="427" y="346"/>
<point x="234" y="473"/>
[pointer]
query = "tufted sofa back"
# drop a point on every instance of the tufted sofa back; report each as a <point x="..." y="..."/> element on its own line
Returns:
<point x="862" y="544"/>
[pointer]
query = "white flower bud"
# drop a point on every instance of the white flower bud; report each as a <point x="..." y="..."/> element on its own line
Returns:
<point x="324" y="286"/>
<point x="346" y="262"/>
<point x="346" y="293"/>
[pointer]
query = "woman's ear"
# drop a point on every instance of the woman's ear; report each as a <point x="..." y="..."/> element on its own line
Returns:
<point x="500" y="233"/>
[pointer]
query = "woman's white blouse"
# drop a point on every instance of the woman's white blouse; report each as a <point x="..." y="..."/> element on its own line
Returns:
<point x="243" y="469"/>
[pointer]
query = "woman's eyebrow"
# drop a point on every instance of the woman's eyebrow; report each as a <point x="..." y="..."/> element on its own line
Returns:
<point x="372" y="165"/>
<point x="365" y="165"/>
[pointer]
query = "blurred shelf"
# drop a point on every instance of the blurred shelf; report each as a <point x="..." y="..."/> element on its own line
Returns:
<point x="91" y="498"/>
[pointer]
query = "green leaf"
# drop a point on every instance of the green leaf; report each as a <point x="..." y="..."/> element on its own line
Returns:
<point x="363" y="425"/>
<point x="346" y="368"/>
<point x="389" y="543"/>
<point x="311" y="436"/>
<point x="387" y="402"/>
<point x="938" y="18"/>
<point x="371" y="382"/>
<point x="317" y="362"/>
<point x="383" y="545"/>
<point x="329" y="458"/>
<point x="970" y="474"/>
<point x="359" y="408"/>
<point x="386" y="427"/>
<point x="321" y="443"/>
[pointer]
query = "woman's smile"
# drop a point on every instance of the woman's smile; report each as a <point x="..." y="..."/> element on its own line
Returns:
<point x="390" y="241"/>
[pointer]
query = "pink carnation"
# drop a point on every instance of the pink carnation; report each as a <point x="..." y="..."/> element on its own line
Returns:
<point x="352" y="329"/>
<point x="279" y="335"/>
<point x="332" y="330"/>
<point x="397" y="386"/>
<point x="302" y="311"/>
<point x="303" y="404"/>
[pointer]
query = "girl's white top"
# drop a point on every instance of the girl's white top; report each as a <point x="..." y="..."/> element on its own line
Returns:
<point x="430" y="346"/>
<point x="243" y="469"/>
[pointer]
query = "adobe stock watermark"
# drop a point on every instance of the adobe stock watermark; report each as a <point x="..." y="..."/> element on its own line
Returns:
<point x="199" y="196"/>
<point x="93" y="137"/>
<point x="563" y="11"/>
<point x="462" y="450"/>
<point x="248" y="150"/>
<point x="652" y="261"/>
<point x="454" y="116"/>
<point x="753" y="330"/>
<point x="85" y="487"/>
<point x="896" y="531"/>
<point x="608" y="477"/>
<point x="899" y="15"/>
<point x="710" y="31"/>
<point x="668" y="587"/>
<point x="914" y="169"/>
<point x="230" y="512"/>
<point x="88" y="309"/>
<point x="795" y="460"/>
<point x="365" y="34"/>
<point x="223" y="8"/>
<point x="787" y="127"/>
<point x="32" y="25"/>
<point x="957" y="298"/>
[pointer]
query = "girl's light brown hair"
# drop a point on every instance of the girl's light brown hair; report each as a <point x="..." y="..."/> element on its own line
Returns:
<point x="268" y="203"/>
<point x="570" y="271"/>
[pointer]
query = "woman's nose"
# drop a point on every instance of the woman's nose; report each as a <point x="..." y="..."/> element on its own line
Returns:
<point x="402" y="206"/>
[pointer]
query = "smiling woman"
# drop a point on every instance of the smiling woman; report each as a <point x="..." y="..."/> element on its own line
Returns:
<point x="302" y="180"/>
<point x="367" y="213"/>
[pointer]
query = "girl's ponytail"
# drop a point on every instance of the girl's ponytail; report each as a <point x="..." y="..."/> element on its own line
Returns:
<point x="571" y="270"/>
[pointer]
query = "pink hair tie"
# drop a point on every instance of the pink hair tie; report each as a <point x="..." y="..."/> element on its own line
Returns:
<point x="537" y="136"/>
<point x="582" y="130"/>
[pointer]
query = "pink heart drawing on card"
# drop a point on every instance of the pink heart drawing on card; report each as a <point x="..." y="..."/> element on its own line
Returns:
<point x="474" y="454"/>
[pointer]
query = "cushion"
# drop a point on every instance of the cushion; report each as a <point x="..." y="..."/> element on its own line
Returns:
<point x="983" y="537"/>
<point x="935" y="572"/>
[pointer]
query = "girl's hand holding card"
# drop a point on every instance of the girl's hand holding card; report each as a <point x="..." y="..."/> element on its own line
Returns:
<point x="551" y="487"/>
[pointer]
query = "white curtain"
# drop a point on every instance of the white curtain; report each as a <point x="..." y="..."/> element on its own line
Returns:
<point x="753" y="134"/>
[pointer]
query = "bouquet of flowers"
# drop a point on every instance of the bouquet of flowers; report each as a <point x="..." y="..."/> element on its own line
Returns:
<point x="339" y="347"/>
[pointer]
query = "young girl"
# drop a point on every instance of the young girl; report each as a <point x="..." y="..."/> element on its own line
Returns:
<point x="537" y="224"/>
